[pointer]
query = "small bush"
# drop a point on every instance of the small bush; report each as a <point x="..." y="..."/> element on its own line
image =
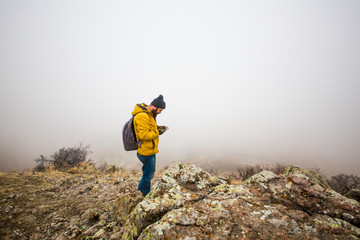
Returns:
<point x="342" y="183"/>
<point x="278" y="168"/>
<point x="102" y="167"/>
<point x="211" y="170"/>
<point x="70" y="157"/>
<point x="244" y="172"/>
<point x="64" y="158"/>
<point x="42" y="162"/>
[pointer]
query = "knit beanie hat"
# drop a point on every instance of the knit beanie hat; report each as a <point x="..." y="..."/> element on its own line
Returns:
<point x="159" y="102"/>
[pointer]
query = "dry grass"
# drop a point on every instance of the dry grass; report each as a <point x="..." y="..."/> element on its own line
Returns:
<point x="30" y="200"/>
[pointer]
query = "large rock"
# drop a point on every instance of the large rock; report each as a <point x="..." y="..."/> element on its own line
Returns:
<point x="188" y="203"/>
<point x="124" y="204"/>
<point x="313" y="176"/>
<point x="182" y="184"/>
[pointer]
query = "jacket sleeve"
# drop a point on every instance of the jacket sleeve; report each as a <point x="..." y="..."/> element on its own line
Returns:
<point x="142" y="122"/>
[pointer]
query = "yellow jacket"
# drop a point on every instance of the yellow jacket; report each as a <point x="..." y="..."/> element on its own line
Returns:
<point x="146" y="130"/>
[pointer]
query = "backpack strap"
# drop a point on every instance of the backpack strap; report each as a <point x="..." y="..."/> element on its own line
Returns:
<point x="140" y="141"/>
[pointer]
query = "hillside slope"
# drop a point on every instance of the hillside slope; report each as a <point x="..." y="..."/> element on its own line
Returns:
<point x="60" y="205"/>
<point x="185" y="203"/>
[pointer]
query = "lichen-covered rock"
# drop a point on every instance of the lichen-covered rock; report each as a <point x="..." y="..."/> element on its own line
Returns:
<point x="235" y="218"/>
<point x="101" y="234"/>
<point x="180" y="185"/>
<point x="298" y="191"/>
<point x="124" y="204"/>
<point x="263" y="177"/>
<point x="188" y="203"/>
<point x="313" y="175"/>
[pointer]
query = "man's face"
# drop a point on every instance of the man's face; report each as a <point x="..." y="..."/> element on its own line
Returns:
<point x="156" y="111"/>
<point x="159" y="110"/>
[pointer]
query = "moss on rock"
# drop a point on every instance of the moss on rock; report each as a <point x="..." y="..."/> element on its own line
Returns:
<point x="313" y="175"/>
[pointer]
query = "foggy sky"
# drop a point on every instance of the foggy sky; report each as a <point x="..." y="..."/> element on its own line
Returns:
<point x="244" y="81"/>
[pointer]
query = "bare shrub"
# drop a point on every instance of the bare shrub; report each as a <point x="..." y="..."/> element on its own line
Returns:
<point x="42" y="162"/>
<point x="342" y="183"/>
<point x="70" y="157"/>
<point x="64" y="158"/>
<point x="244" y="172"/>
<point x="277" y="168"/>
<point x="211" y="170"/>
<point x="102" y="167"/>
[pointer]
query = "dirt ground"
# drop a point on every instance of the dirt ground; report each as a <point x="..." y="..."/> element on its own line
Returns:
<point x="72" y="204"/>
<point x="59" y="205"/>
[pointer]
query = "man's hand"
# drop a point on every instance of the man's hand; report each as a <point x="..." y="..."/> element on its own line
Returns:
<point x="162" y="129"/>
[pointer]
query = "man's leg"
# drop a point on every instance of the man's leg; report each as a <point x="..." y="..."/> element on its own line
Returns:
<point x="148" y="169"/>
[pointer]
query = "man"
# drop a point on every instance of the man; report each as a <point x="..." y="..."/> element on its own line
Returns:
<point x="147" y="133"/>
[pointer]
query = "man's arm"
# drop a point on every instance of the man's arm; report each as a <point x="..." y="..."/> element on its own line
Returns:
<point x="142" y="121"/>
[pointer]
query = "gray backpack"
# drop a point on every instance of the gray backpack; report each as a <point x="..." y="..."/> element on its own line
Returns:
<point x="129" y="136"/>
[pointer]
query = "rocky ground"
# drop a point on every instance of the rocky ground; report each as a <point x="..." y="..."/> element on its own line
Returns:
<point x="185" y="203"/>
<point x="189" y="203"/>
<point x="62" y="205"/>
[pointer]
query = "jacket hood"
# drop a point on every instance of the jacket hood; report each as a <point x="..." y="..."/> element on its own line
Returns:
<point x="140" y="108"/>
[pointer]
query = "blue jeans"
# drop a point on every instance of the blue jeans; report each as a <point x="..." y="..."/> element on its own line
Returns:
<point x="148" y="172"/>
